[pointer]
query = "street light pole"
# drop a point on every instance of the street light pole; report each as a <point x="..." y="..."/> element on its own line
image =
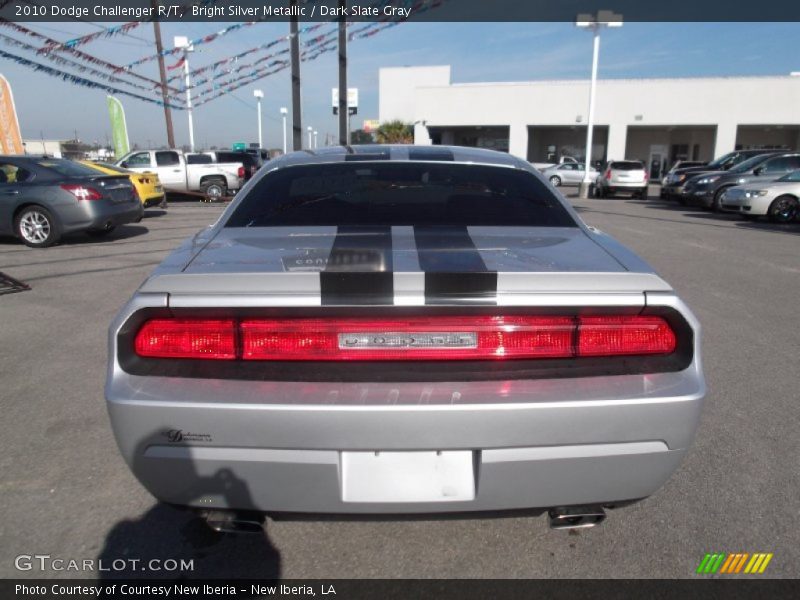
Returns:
<point x="604" y="18"/>
<point x="284" y="112"/>
<point x="310" y="130"/>
<point x="259" y="95"/>
<point x="183" y="42"/>
<point x="315" y="139"/>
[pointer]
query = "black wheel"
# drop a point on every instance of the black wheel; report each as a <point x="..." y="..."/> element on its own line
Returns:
<point x="598" y="192"/>
<point x="214" y="189"/>
<point x="101" y="232"/>
<point x="555" y="180"/>
<point x="643" y="194"/>
<point x="37" y="227"/>
<point x="783" y="209"/>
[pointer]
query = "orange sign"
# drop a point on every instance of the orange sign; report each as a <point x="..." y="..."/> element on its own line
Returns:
<point x="10" y="138"/>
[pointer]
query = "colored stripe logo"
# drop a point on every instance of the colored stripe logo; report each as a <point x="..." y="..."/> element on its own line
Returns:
<point x="734" y="564"/>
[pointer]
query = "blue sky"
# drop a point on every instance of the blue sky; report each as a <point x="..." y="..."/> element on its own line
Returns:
<point x="476" y="51"/>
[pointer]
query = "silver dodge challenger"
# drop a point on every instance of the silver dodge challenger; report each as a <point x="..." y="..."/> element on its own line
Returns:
<point x="403" y="329"/>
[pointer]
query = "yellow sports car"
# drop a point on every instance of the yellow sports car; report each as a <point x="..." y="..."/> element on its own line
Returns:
<point x="148" y="187"/>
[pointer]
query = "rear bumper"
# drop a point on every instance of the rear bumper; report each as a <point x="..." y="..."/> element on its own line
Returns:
<point x="280" y="446"/>
<point x="154" y="200"/>
<point x="280" y="458"/>
<point x="100" y="215"/>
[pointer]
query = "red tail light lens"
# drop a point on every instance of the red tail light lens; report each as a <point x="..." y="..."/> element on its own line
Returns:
<point x="413" y="338"/>
<point x="607" y="174"/>
<point x="241" y="172"/>
<point x="178" y="338"/>
<point x="610" y="336"/>
<point x="82" y="192"/>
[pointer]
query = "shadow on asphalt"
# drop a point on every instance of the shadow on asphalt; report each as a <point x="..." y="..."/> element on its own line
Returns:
<point x="167" y="533"/>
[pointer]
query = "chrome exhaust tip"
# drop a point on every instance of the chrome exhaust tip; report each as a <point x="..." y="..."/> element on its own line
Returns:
<point x="576" y="517"/>
<point x="232" y="522"/>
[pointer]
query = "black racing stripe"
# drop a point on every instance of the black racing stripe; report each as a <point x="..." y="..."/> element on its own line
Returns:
<point x="359" y="268"/>
<point x="454" y="270"/>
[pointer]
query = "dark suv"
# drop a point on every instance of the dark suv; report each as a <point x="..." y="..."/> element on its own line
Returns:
<point x="706" y="189"/>
<point x="672" y="188"/>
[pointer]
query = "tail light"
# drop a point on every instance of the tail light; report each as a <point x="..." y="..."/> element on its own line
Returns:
<point x="144" y="180"/>
<point x="241" y="172"/>
<point x="413" y="338"/>
<point x="187" y="338"/>
<point x="607" y="174"/>
<point x="82" y="192"/>
<point x="646" y="176"/>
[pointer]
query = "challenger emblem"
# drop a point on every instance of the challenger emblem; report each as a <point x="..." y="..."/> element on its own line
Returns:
<point x="370" y="341"/>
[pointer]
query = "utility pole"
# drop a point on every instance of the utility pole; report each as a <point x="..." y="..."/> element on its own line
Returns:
<point x="344" y="110"/>
<point x="163" y="71"/>
<point x="297" y="125"/>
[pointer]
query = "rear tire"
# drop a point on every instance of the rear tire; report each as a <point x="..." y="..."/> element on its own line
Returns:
<point x="214" y="189"/>
<point x="37" y="227"/>
<point x="555" y="180"/>
<point x="783" y="209"/>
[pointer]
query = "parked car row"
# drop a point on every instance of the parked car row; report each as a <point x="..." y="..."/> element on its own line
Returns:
<point x="751" y="183"/>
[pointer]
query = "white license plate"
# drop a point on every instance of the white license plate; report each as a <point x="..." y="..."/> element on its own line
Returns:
<point x="446" y="476"/>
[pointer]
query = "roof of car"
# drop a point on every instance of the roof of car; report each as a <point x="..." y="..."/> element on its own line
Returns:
<point x="398" y="152"/>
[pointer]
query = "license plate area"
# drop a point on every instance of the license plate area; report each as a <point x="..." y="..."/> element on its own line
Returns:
<point x="415" y="476"/>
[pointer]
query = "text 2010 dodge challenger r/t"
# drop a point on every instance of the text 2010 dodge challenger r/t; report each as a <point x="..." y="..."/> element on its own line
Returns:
<point x="400" y="329"/>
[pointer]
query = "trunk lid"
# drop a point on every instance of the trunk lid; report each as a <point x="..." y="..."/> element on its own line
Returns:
<point x="290" y="266"/>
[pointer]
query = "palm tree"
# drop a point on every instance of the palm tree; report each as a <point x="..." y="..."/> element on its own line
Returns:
<point x="395" y="132"/>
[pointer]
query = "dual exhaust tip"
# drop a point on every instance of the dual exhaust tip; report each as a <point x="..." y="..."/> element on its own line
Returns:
<point x="570" y="517"/>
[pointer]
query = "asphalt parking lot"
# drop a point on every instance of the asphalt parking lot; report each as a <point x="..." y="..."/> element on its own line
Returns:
<point x="66" y="491"/>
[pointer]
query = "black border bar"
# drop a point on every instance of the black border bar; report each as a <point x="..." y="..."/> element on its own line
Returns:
<point x="728" y="588"/>
<point x="427" y="10"/>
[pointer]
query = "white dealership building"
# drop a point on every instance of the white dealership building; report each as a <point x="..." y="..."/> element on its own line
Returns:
<point x="654" y="120"/>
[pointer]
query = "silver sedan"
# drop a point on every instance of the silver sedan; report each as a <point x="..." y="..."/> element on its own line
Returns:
<point x="778" y="200"/>
<point x="567" y="174"/>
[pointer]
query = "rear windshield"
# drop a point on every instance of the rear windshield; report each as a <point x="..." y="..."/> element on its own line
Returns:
<point x="626" y="165"/>
<point x="378" y="193"/>
<point x="198" y="159"/>
<point x="66" y="168"/>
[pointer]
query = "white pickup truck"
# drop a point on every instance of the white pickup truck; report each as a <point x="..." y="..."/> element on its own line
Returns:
<point x="215" y="180"/>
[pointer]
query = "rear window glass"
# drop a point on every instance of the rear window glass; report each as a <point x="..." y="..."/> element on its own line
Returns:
<point x="399" y="194"/>
<point x="198" y="159"/>
<point x="67" y="168"/>
<point x="627" y="165"/>
<point x="233" y="157"/>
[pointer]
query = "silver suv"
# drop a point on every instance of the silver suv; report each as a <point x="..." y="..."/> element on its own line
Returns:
<point x="622" y="176"/>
